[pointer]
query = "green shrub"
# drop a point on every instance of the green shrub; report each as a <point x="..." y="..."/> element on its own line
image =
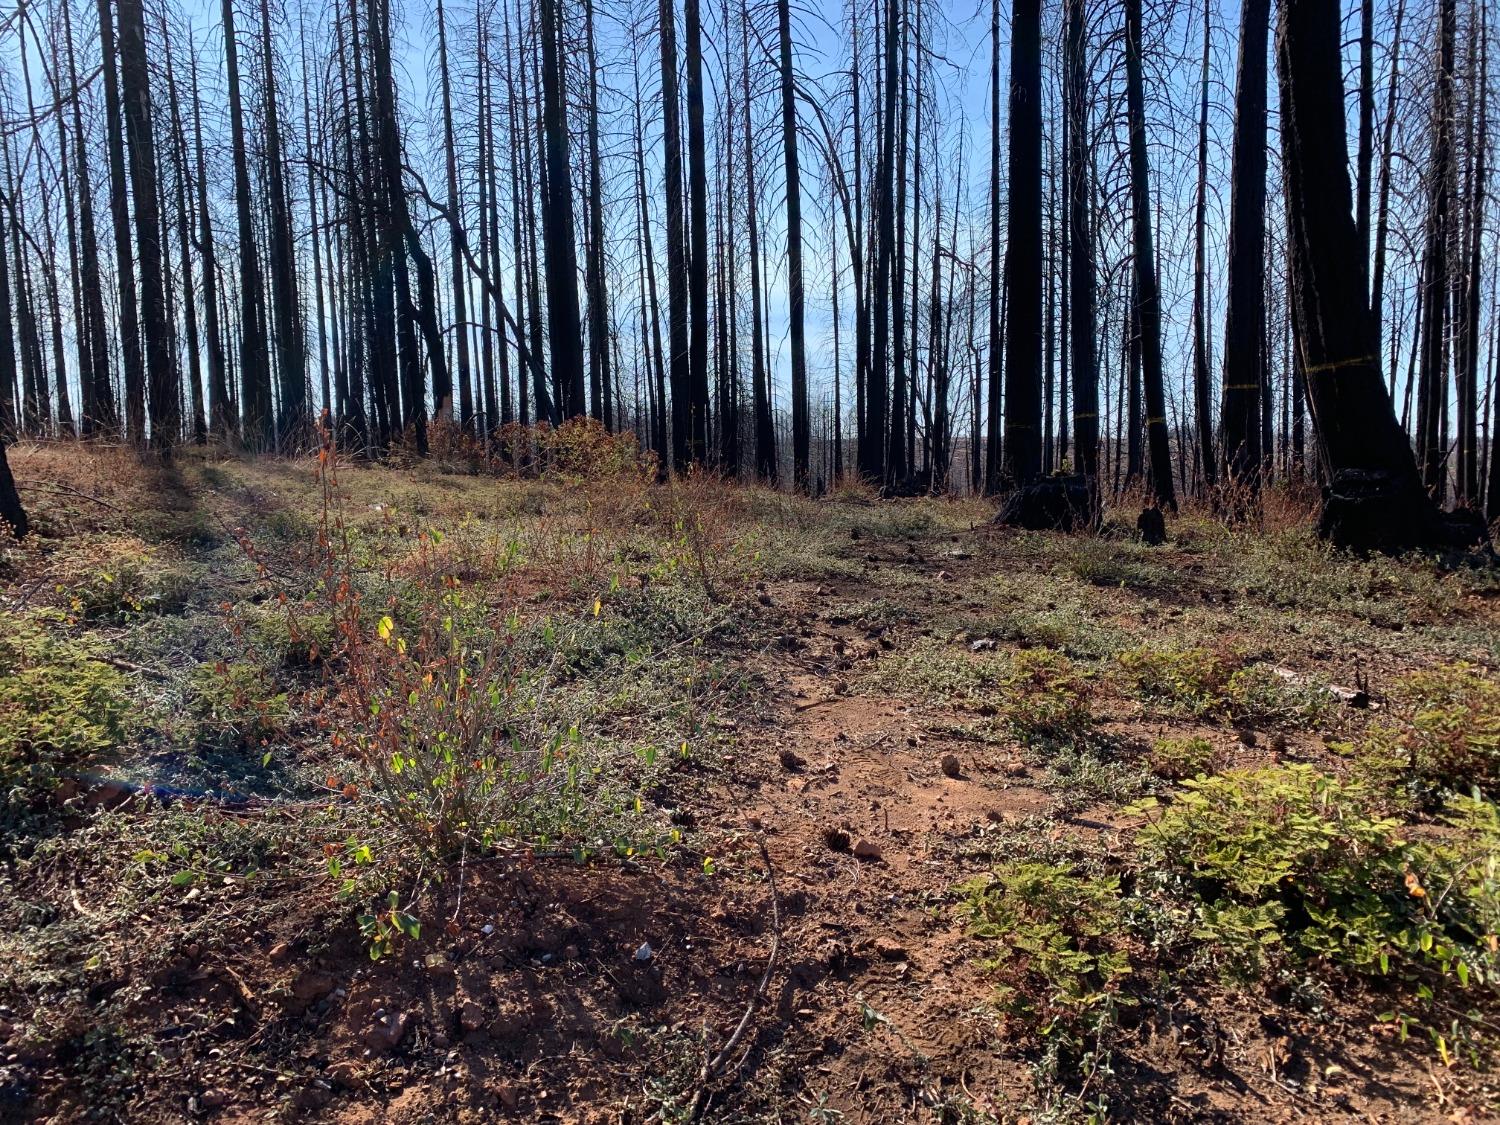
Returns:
<point x="1293" y="858"/>
<point x="1045" y="698"/>
<point x="1174" y="759"/>
<point x="1207" y="683"/>
<point x="1101" y="562"/>
<point x="1056" y="943"/>
<point x="1447" y="730"/>
<point x="1192" y="678"/>
<point x="58" y="705"/>
<point x="291" y="637"/>
<point x="128" y="581"/>
<point x="237" y="703"/>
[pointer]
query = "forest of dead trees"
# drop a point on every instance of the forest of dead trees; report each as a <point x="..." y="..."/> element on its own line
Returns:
<point x="1173" y="246"/>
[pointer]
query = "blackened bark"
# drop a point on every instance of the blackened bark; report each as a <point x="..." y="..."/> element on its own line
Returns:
<point x="1245" y="315"/>
<point x="119" y="207"/>
<point x="1023" y="272"/>
<point x="1351" y="409"/>
<point x="135" y="91"/>
<point x="1081" y="252"/>
<point x="1147" y="294"/>
<point x="801" y="434"/>
<point x="697" y="414"/>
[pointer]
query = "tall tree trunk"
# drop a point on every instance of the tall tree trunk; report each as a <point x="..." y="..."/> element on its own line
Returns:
<point x="1432" y="453"/>
<point x="1147" y="295"/>
<point x="255" y="375"/>
<point x="135" y="89"/>
<point x="98" y="394"/>
<point x="677" y="255"/>
<point x="993" y="458"/>
<point x="1383" y="209"/>
<point x="599" y="366"/>
<point x="1081" y="251"/>
<point x="1468" y="404"/>
<point x="220" y="415"/>
<point x="1245" y="315"/>
<point x="1023" y="271"/>
<point x="698" y="240"/>
<point x="286" y="323"/>
<point x="876" y="397"/>
<point x="443" y="396"/>
<point x="896" y="450"/>
<point x="1351" y="409"/>
<point x="801" y="439"/>
<point x="184" y="247"/>
<point x="760" y="387"/>
<point x="119" y="206"/>
<point x="1202" y="388"/>
<point x="1365" y="153"/>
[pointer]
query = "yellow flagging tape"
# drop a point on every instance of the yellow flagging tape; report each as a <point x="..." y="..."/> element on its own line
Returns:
<point x="1156" y="421"/>
<point x="1356" y="361"/>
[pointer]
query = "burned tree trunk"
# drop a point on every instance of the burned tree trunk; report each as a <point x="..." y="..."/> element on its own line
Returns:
<point x="1244" y="322"/>
<point x="1147" y="294"/>
<point x="1375" y="498"/>
<point x="1023" y="271"/>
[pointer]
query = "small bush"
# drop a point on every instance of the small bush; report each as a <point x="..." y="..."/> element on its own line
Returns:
<point x="1056" y="943"/>
<point x="1101" y="562"/>
<point x="1045" y="698"/>
<point x="1175" y="759"/>
<point x="58" y="705"/>
<point x="1295" y="859"/>
<point x="1207" y="683"/>
<point x="116" y="578"/>
<point x="237" y="704"/>
<point x="1447" y="733"/>
<point x="1193" y="678"/>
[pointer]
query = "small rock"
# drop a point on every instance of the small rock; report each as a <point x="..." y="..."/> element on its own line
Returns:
<point x="311" y="1097"/>
<point x="889" y="949"/>
<point x="213" y="1099"/>
<point x="388" y="1032"/>
<point x="944" y="576"/>
<point x="439" y="965"/>
<point x="344" y="1074"/>
<point x="509" y="1095"/>
<point x="791" y="761"/>
<point x="949" y="762"/>
<point x="312" y="985"/>
<point x="644" y="952"/>
<point x="864" y="849"/>
<point x="471" y="1016"/>
<point x="983" y="644"/>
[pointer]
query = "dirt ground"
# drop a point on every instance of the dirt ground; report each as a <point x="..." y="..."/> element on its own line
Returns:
<point x="544" y="989"/>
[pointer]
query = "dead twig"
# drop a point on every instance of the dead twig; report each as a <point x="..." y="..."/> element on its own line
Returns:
<point x="54" y="486"/>
<point x="130" y="666"/>
<point x="713" y="1067"/>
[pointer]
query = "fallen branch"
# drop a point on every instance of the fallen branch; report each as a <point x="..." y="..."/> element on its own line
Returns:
<point x="713" y="1067"/>
<point x="130" y="666"/>
<point x="53" y="486"/>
